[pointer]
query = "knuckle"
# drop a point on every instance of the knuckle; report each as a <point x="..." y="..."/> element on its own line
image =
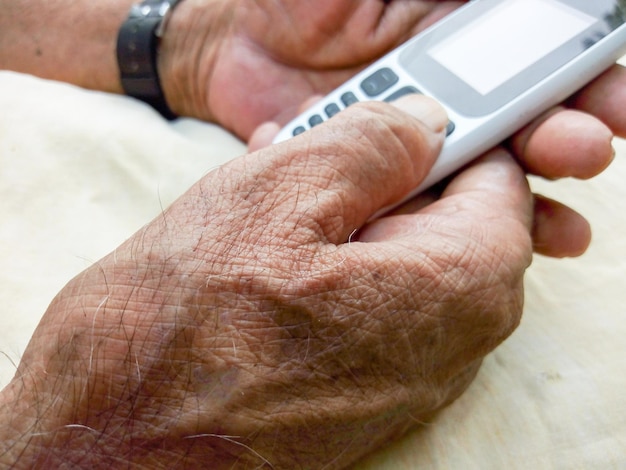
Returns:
<point x="381" y="124"/>
<point x="493" y="281"/>
<point x="476" y="294"/>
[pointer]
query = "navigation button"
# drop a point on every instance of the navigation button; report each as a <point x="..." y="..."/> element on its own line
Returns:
<point x="379" y="81"/>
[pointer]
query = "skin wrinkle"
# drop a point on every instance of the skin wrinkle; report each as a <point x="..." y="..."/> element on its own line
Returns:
<point x="199" y="39"/>
<point x="272" y="176"/>
<point x="452" y="281"/>
<point x="279" y="383"/>
<point x="256" y="44"/>
<point x="322" y="28"/>
<point x="349" y="355"/>
<point x="273" y="205"/>
<point x="376" y="131"/>
<point x="209" y="290"/>
<point x="317" y="31"/>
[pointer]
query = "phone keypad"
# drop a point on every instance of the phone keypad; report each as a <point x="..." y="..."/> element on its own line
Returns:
<point x="332" y="109"/>
<point x="407" y="90"/>
<point x="349" y="98"/>
<point x="373" y="86"/>
<point x="315" y="120"/>
<point x="379" y="82"/>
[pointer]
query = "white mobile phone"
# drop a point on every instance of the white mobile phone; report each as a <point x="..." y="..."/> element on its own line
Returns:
<point x="493" y="64"/>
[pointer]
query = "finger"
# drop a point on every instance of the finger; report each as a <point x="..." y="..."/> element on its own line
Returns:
<point x="558" y="231"/>
<point x="343" y="171"/>
<point x="605" y="98"/>
<point x="476" y="240"/>
<point x="498" y="185"/>
<point x="564" y="143"/>
<point x="491" y="195"/>
<point x="416" y="203"/>
<point x="421" y="200"/>
<point x="309" y="102"/>
<point x="263" y="136"/>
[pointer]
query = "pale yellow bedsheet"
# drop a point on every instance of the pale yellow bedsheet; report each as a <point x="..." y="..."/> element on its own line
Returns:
<point x="81" y="171"/>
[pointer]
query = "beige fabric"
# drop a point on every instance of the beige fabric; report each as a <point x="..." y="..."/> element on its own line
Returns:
<point x="81" y="171"/>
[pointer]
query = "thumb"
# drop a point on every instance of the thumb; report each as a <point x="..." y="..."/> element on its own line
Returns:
<point x="337" y="175"/>
<point x="263" y="136"/>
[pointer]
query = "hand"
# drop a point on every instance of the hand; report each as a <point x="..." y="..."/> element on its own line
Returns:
<point x="260" y="320"/>
<point x="561" y="143"/>
<point x="242" y="63"/>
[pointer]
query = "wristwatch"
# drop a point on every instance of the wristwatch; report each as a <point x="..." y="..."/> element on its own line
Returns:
<point x="137" y="51"/>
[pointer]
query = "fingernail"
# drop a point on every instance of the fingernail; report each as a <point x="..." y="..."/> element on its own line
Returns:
<point x="426" y="109"/>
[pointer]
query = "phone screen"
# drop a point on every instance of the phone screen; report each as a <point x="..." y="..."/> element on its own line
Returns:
<point x="508" y="39"/>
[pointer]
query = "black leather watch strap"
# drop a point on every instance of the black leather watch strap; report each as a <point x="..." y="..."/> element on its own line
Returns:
<point x="137" y="50"/>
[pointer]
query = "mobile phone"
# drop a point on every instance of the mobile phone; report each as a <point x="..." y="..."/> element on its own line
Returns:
<point x="493" y="64"/>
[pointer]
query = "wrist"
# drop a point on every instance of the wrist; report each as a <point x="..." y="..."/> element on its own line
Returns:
<point x="188" y="52"/>
<point x="136" y="51"/>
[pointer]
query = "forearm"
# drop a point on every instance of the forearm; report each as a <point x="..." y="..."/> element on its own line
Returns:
<point x="68" y="40"/>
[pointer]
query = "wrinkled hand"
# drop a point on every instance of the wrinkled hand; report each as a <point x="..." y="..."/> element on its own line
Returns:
<point x="254" y="323"/>
<point x="241" y="63"/>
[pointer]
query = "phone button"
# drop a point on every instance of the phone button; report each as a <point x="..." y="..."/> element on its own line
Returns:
<point x="450" y="128"/>
<point x="349" y="99"/>
<point x="331" y="109"/>
<point x="298" y="130"/>
<point x="315" y="120"/>
<point x="407" y="90"/>
<point x="379" y="81"/>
